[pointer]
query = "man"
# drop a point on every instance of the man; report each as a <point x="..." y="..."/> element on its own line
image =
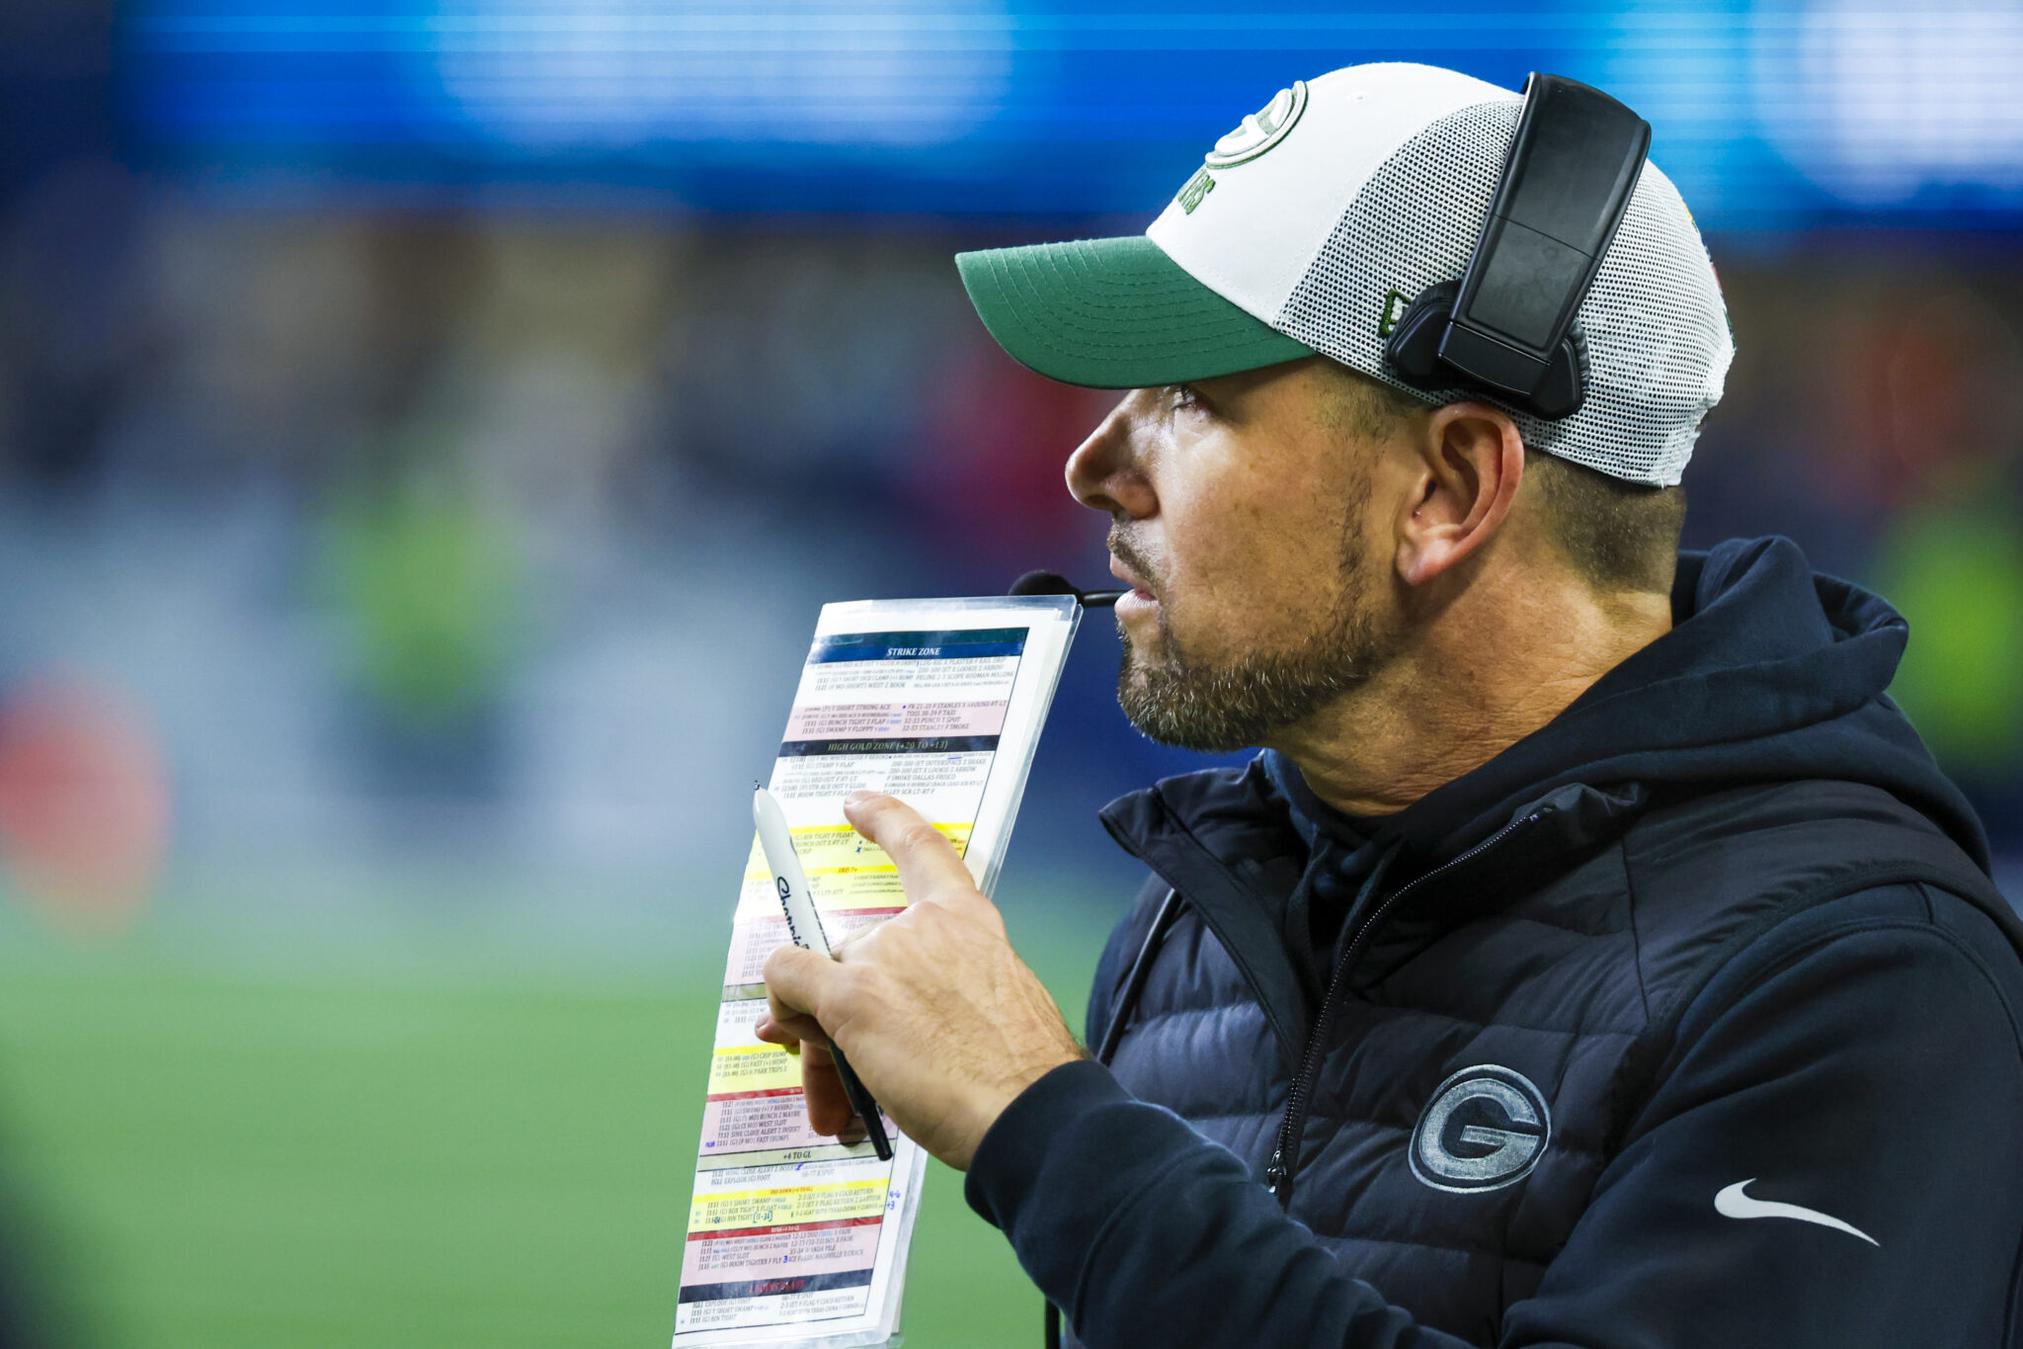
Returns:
<point x="1593" y="955"/>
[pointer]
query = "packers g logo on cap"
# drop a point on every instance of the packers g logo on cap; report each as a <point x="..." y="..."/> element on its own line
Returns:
<point x="1253" y="136"/>
<point x="1262" y="129"/>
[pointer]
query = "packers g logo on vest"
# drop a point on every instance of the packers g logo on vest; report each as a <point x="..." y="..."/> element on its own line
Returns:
<point x="1485" y="1128"/>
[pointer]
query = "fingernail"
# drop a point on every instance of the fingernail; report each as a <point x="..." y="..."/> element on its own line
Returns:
<point x="857" y="798"/>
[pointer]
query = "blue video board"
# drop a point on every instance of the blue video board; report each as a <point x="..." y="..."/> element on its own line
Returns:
<point x="1768" y="116"/>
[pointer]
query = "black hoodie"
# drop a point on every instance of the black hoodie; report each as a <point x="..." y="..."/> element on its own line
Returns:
<point x="1722" y="918"/>
<point x="1771" y="671"/>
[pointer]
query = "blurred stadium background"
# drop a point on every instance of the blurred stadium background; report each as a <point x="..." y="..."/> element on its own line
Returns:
<point x="428" y="428"/>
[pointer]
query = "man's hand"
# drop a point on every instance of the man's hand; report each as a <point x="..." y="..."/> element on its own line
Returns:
<point x="936" y="1012"/>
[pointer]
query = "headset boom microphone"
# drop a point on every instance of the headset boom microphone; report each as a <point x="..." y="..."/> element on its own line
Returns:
<point x="1053" y="583"/>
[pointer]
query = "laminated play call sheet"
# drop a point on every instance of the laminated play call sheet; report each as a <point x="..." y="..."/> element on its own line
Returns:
<point x="793" y="1237"/>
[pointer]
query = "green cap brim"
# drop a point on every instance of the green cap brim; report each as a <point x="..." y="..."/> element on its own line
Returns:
<point x="1114" y="314"/>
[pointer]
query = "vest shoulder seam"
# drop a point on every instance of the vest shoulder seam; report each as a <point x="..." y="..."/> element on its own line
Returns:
<point x="1630" y="913"/>
<point x="1455" y="1246"/>
<point x="1570" y="1032"/>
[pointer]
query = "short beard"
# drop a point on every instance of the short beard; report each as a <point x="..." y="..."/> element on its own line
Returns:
<point x="1251" y="699"/>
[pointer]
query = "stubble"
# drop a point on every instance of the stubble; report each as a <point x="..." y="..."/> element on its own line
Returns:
<point x="1176" y="698"/>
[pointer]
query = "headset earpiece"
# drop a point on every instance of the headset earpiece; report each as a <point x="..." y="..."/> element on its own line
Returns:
<point x="1413" y="352"/>
<point x="1506" y="327"/>
<point x="1413" y="349"/>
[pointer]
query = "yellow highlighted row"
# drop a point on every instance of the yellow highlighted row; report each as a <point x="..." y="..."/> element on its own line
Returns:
<point x="791" y="1204"/>
<point x="752" y="1068"/>
<point x="838" y="849"/>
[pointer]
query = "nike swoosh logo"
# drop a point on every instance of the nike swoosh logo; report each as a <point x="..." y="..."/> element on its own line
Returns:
<point x="1732" y="1203"/>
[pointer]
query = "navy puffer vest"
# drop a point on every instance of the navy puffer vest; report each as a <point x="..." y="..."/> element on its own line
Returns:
<point x="1561" y="953"/>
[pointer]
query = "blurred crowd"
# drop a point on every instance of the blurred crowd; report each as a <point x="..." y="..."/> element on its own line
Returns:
<point x="505" y="532"/>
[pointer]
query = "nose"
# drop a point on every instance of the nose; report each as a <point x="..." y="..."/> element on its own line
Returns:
<point x="1106" y="472"/>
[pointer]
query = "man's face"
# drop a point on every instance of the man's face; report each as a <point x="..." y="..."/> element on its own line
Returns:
<point x="1240" y="517"/>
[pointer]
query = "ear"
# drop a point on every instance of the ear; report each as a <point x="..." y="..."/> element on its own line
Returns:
<point x="1470" y="461"/>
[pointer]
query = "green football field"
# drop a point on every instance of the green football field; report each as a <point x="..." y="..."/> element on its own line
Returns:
<point x="333" y="1151"/>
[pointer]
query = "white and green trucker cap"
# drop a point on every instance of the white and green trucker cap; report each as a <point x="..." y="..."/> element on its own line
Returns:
<point x="1310" y="227"/>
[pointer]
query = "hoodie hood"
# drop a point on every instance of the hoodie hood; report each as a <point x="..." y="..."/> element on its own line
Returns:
<point x="1772" y="672"/>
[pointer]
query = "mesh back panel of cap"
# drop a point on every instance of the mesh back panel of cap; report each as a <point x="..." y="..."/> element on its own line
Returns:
<point x="1652" y="332"/>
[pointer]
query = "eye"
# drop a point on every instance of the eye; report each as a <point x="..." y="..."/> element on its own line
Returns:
<point x="1180" y="397"/>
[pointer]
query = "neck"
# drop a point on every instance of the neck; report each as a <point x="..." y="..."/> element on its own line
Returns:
<point x="1485" y="674"/>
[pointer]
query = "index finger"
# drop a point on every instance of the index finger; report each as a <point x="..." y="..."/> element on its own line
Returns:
<point x="928" y="865"/>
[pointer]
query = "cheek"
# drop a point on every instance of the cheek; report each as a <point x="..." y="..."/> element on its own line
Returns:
<point x="1257" y="563"/>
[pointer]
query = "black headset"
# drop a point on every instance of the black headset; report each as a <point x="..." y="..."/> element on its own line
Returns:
<point x="1503" y="328"/>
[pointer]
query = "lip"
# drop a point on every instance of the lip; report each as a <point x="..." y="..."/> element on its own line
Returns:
<point x="1133" y="603"/>
<point x="1139" y="589"/>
